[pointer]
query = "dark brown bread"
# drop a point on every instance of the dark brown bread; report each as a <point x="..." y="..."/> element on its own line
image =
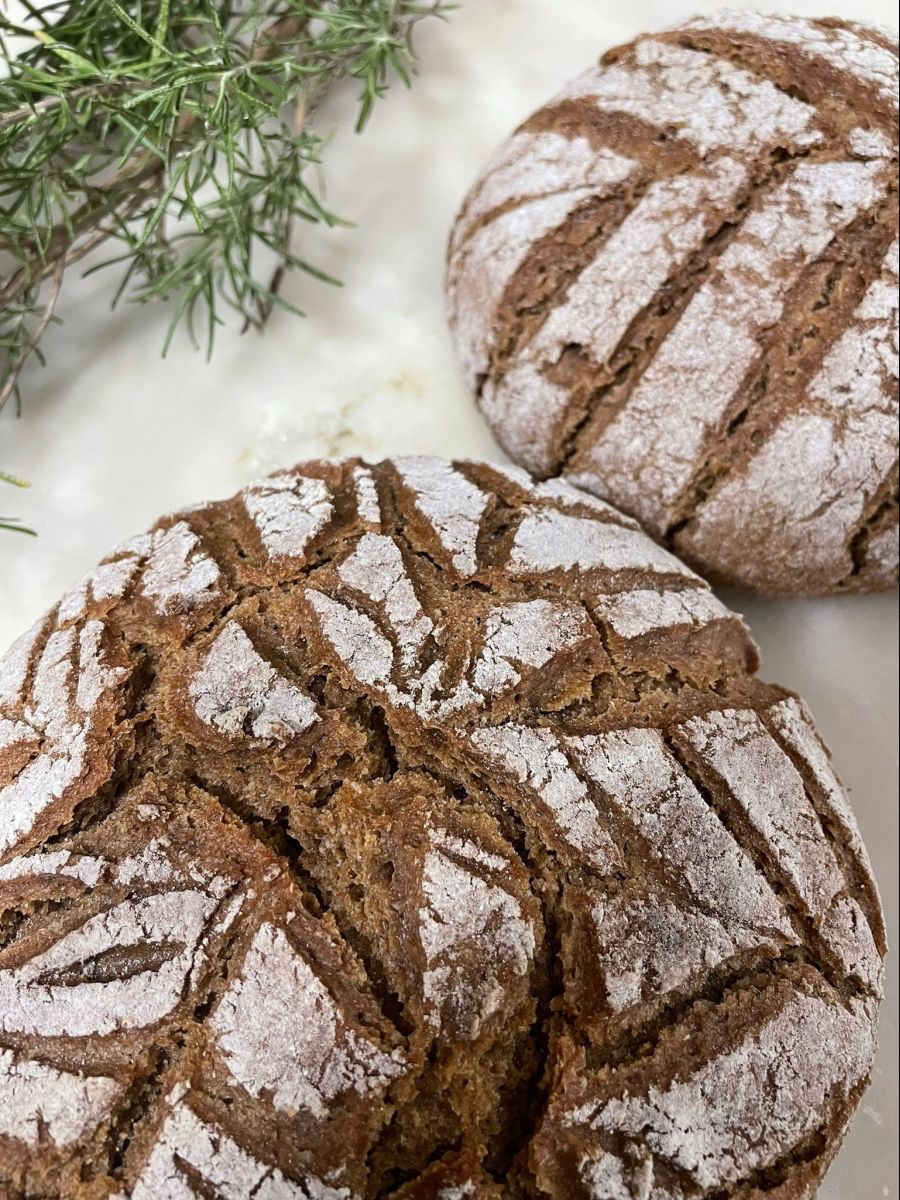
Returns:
<point x="418" y="831"/>
<point x="676" y="285"/>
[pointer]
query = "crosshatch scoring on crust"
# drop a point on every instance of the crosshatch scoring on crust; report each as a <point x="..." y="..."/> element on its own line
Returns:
<point x="418" y="830"/>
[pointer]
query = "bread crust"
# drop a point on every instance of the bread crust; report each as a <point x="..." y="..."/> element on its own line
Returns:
<point x="418" y="830"/>
<point x="676" y="285"/>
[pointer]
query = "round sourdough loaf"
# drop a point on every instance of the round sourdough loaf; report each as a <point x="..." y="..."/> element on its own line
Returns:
<point x="418" y="831"/>
<point x="676" y="285"/>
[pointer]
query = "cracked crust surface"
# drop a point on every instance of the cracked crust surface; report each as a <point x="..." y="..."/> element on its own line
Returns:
<point x="676" y="285"/>
<point x="418" y="831"/>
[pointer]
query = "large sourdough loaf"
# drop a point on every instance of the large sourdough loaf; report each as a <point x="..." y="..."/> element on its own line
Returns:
<point x="418" y="831"/>
<point x="676" y="284"/>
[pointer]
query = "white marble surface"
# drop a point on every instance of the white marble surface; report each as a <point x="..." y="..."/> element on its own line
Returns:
<point x="112" y="436"/>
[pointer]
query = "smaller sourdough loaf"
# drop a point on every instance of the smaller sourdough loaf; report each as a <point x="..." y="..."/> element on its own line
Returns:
<point x="676" y="285"/>
<point x="418" y="832"/>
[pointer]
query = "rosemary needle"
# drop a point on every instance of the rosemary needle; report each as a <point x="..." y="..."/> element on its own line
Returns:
<point x="179" y="135"/>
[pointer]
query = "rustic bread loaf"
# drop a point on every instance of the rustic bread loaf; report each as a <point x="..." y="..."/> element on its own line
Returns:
<point x="418" y="831"/>
<point x="676" y="285"/>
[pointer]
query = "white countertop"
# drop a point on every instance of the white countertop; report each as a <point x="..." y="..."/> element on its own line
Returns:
<point x="112" y="436"/>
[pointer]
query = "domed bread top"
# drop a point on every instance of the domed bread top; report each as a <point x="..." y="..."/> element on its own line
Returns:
<point x="676" y="285"/>
<point x="420" y="831"/>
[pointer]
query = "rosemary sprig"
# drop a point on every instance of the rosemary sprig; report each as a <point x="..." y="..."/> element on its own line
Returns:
<point x="13" y="523"/>
<point x="177" y="132"/>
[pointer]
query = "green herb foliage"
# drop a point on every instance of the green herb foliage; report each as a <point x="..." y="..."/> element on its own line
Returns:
<point x="12" y="523"/>
<point x="179" y="135"/>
